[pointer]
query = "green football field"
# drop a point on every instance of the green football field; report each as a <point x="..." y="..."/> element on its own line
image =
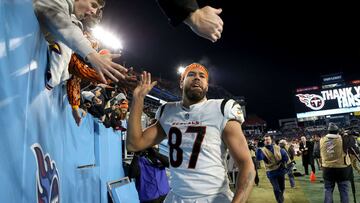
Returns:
<point x="304" y="192"/>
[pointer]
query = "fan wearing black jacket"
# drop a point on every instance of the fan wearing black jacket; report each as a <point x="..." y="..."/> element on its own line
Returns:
<point x="306" y="148"/>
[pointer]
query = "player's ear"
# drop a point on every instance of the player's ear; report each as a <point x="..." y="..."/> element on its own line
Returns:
<point x="181" y="83"/>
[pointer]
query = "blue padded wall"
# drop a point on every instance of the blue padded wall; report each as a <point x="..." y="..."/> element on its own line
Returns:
<point x="41" y="146"/>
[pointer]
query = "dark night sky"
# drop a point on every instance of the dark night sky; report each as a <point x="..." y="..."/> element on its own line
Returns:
<point x="267" y="50"/>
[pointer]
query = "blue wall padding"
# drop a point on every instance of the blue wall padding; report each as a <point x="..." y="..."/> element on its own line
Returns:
<point x="36" y="124"/>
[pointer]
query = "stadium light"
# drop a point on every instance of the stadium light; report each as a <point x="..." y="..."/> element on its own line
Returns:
<point x="180" y="70"/>
<point x="107" y="38"/>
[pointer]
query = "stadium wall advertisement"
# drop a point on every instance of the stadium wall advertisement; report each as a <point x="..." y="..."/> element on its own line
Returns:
<point x="321" y="102"/>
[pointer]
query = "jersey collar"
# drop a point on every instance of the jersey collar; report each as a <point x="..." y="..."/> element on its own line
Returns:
<point x="194" y="106"/>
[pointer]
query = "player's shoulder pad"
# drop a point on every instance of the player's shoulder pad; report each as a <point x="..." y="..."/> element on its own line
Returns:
<point x="160" y="111"/>
<point x="232" y="110"/>
<point x="162" y="108"/>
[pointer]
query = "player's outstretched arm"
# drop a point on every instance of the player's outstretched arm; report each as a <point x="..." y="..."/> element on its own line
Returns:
<point x="137" y="140"/>
<point x="238" y="148"/>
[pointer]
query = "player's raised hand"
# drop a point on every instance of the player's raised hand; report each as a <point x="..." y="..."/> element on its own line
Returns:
<point x="145" y="85"/>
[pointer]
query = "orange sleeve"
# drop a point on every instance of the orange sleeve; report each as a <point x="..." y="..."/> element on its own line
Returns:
<point x="79" y="68"/>
<point x="73" y="91"/>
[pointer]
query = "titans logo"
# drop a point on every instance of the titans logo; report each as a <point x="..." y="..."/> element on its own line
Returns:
<point x="313" y="101"/>
<point x="47" y="177"/>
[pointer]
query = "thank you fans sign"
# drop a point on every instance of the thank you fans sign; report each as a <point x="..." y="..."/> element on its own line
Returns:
<point x="327" y="102"/>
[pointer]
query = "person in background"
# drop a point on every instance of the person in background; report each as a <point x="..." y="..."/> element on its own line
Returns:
<point x="275" y="159"/>
<point x="336" y="165"/>
<point x="289" y="167"/>
<point x="306" y="149"/>
<point x="148" y="169"/>
<point x="252" y="149"/>
<point x="316" y="152"/>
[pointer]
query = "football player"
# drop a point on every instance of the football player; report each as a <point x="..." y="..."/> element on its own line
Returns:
<point x="199" y="132"/>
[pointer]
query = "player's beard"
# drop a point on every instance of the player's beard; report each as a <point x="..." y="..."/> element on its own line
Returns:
<point x="194" y="95"/>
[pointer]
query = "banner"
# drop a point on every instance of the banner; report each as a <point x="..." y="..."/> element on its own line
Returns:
<point x="327" y="101"/>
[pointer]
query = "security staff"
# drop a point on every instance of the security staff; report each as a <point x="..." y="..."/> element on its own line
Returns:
<point x="334" y="150"/>
<point x="284" y="145"/>
<point x="354" y="157"/>
<point x="275" y="159"/>
<point x="252" y="149"/>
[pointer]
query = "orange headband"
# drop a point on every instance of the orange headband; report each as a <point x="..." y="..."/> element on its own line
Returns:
<point x="194" y="66"/>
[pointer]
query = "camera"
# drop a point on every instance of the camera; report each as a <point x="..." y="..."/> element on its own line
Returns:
<point x="355" y="133"/>
<point x="251" y="146"/>
<point x="351" y="132"/>
<point x="292" y="163"/>
<point x="261" y="143"/>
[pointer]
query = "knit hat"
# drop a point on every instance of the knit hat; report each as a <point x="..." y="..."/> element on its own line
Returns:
<point x="333" y="128"/>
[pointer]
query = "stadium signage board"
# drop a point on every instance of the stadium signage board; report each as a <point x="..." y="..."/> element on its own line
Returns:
<point x="327" y="102"/>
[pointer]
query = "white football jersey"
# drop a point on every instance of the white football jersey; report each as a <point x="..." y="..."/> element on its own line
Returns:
<point x="197" y="153"/>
